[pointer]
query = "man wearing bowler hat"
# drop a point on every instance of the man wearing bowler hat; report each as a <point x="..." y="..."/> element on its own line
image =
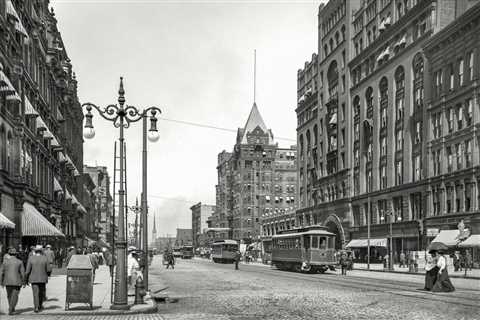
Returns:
<point x="12" y="276"/>
<point x="37" y="276"/>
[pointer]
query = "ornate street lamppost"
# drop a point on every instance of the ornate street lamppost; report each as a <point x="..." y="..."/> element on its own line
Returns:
<point x="121" y="115"/>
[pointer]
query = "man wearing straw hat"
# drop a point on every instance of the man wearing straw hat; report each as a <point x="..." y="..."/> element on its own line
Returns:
<point x="37" y="276"/>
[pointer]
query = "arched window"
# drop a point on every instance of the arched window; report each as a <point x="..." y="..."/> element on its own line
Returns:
<point x="308" y="145"/>
<point x="399" y="93"/>
<point x="418" y="92"/>
<point x="9" y="160"/>
<point x="325" y="49"/>
<point x="369" y="97"/>
<point x="331" y="44"/>
<point x="3" y="148"/>
<point x="337" y="38"/>
<point x="301" y="145"/>
<point x="356" y="106"/>
<point x="332" y="78"/>
<point x="383" y="88"/>
<point x="343" y="33"/>
<point x="315" y="135"/>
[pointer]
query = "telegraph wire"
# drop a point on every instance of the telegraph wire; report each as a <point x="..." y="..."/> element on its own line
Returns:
<point x="195" y="124"/>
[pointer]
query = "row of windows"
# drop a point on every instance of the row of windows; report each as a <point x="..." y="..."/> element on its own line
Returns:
<point x="457" y="74"/>
<point x="456" y="118"/>
<point x="334" y="17"/>
<point x="454" y="198"/>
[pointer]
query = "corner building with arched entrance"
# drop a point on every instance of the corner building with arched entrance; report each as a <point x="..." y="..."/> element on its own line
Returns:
<point x="361" y="155"/>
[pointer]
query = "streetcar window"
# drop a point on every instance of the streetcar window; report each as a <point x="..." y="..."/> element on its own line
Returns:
<point x="306" y="242"/>
<point x="314" y="242"/>
<point x="332" y="242"/>
<point x="323" y="243"/>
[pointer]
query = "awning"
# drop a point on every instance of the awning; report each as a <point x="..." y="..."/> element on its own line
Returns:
<point x="34" y="224"/>
<point x="68" y="196"/>
<point x="333" y="119"/>
<point x="472" y="242"/>
<point x="11" y="10"/>
<point x="216" y="229"/>
<point x="56" y="185"/>
<point x="5" y="223"/>
<point x="361" y="243"/>
<point x="102" y="244"/>
<point x="448" y="237"/>
<point x="6" y="85"/>
<point x="90" y="242"/>
<point x="29" y="109"/>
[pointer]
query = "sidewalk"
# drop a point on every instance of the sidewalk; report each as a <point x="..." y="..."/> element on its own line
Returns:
<point x="56" y="294"/>
<point x="471" y="274"/>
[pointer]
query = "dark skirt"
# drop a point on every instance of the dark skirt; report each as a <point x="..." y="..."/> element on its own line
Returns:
<point x="443" y="283"/>
<point x="430" y="278"/>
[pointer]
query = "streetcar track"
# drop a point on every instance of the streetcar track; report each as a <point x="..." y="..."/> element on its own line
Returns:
<point x="361" y="283"/>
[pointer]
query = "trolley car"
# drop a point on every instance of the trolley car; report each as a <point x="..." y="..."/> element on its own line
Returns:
<point x="187" y="252"/>
<point x="310" y="249"/>
<point x="224" y="251"/>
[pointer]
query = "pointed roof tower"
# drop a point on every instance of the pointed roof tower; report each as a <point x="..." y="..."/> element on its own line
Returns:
<point x="154" y="230"/>
<point x="255" y="120"/>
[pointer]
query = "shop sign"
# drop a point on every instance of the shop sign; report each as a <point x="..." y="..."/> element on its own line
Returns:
<point x="432" y="232"/>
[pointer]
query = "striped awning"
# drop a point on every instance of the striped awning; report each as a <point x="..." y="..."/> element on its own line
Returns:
<point x="56" y="185"/>
<point x="361" y="243"/>
<point x="5" y="223"/>
<point x="29" y="109"/>
<point x="10" y="9"/>
<point x="6" y="85"/>
<point x="34" y="224"/>
<point x="68" y="195"/>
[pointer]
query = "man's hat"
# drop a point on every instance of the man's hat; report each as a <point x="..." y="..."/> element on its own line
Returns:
<point x="48" y="246"/>
<point x="132" y="248"/>
<point x="12" y="251"/>
<point x="38" y="247"/>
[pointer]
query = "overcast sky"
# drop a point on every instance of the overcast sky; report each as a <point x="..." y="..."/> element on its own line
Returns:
<point x="194" y="60"/>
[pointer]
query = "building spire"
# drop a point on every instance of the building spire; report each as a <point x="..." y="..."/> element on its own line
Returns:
<point x="254" y="76"/>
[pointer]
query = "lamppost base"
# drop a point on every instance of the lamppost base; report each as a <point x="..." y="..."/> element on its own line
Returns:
<point x="120" y="307"/>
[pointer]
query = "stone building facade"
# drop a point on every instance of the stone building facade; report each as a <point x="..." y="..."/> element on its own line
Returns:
<point x="103" y="202"/>
<point x="200" y="214"/>
<point x="256" y="182"/>
<point x="452" y="119"/>
<point x="372" y="120"/>
<point x="41" y="144"/>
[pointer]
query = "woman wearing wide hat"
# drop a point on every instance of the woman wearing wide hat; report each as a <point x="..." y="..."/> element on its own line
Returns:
<point x="431" y="270"/>
<point x="443" y="283"/>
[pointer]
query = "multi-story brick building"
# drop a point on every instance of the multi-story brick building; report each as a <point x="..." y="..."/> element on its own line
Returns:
<point x="103" y="206"/>
<point x="41" y="144"/>
<point x="325" y="124"/>
<point x="452" y="121"/>
<point x="371" y="120"/>
<point x="255" y="182"/>
<point x="200" y="214"/>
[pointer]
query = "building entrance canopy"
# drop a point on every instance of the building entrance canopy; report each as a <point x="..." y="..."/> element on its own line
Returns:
<point x="449" y="238"/>
<point x="472" y="242"/>
<point x="34" y="224"/>
<point x="5" y="223"/>
<point x="361" y="243"/>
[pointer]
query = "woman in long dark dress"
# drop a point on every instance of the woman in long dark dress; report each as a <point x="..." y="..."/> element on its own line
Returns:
<point x="431" y="270"/>
<point x="443" y="283"/>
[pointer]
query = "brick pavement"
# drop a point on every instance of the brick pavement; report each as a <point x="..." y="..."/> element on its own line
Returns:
<point x="56" y="294"/>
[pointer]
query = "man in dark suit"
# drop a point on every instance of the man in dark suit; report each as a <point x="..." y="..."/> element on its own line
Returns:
<point x="37" y="276"/>
<point x="48" y="253"/>
<point x="12" y="276"/>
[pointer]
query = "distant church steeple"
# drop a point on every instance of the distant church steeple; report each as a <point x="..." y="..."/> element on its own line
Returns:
<point x="154" y="230"/>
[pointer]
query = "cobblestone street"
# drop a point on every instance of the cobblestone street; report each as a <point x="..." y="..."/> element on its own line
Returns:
<point x="214" y="291"/>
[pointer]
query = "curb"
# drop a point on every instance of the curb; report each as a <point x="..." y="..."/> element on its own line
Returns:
<point x="146" y="310"/>
<point x="418" y="274"/>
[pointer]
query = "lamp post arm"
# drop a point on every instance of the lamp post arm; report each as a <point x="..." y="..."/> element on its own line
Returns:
<point x="110" y="112"/>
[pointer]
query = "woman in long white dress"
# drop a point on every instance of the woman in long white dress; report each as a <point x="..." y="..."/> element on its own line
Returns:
<point x="443" y="283"/>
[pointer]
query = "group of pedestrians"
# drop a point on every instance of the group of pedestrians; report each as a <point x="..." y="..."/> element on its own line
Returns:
<point x="436" y="276"/>
<point x="14" y="275"/>
<point x="462" y="261"/>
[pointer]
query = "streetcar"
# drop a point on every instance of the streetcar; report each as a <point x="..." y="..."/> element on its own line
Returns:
<point x="224" y="251"/>
<point x="177" y="252"/>
<point x="310" y="249"/>
<point x="187" y="252"/>
<point x="266" y="250"/>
